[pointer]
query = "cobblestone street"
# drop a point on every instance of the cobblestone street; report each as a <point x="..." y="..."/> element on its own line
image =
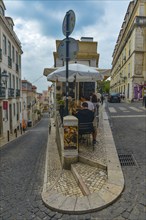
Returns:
<point x="22" y="173"/>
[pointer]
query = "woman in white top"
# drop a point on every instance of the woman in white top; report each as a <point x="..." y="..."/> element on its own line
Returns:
<point x="90" y="104"/>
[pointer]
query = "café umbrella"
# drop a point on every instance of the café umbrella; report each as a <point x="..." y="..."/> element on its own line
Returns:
<point x="76" y="72"/>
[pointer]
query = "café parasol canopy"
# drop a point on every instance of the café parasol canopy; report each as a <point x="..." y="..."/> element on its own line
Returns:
<point x="76" y="72"/>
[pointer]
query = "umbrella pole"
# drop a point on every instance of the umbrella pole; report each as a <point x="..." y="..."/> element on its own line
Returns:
<point x="67" y="59"/>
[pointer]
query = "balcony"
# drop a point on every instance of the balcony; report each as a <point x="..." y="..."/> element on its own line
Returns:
<point x="17" y="92"/>
<point x="0" y="54"/>
<point x="9" y="62"/>
<point x="140" y="20"/>
<point x="11" y="93"/>
<point x="2" y="92"/>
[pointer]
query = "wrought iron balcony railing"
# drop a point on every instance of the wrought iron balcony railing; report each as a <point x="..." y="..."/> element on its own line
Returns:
<point x="2" y="92"/>
<point x="140" y="20"/>
<point x="10" y="93"/>
<point x="17" y="92"/>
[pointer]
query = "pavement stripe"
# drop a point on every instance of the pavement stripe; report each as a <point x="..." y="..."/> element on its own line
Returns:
<point x="112" y="110"/>
<point x="123" y="109"/>
<point x="128" y="116"/>
<point x="135" y="109"/>
<point x="143" y="108"/>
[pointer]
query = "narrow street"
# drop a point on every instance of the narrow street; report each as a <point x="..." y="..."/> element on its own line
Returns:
<point x="21" y="175"/>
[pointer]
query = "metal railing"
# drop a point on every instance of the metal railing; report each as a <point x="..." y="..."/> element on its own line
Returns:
<point x="17" y="92"/>
<point x="2" y="92"/>
<point x="10" y="93"/>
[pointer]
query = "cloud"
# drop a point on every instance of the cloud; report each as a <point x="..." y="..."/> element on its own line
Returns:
<point x="38" y="24"/>
<point x="37" y="49"/>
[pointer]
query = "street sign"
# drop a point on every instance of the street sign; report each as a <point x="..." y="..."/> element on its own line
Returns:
<point x="73" y="49"/>
<point x="70" y="15"/>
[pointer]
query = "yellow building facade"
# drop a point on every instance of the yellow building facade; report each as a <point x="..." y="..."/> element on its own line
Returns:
<point x="87" y="55"/>
<point x="128" y="74"/>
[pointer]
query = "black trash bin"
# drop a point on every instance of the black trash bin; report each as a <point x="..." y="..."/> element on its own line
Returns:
<point x="29" y="123"/>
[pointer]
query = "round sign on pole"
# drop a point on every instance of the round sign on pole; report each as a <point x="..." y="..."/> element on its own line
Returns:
<point x="73" y="49"/>
<point x="70" y="15"/>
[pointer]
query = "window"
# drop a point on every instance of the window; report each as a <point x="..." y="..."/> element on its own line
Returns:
<point x="129" y="70"/>
<point x="16" y="57"/>
<point x="4" y="45"/>
<point x="13" y="54"/>
<point x="14" y="109"/>
<point x="19" y="61"/>
<point x="17" y="111"/>
<point x="16" y="82"/>
<point x="9" y="49"/>
<point x="13" y="82"/>
<point x="10" y="81"/>
<point x="129" y="47"/>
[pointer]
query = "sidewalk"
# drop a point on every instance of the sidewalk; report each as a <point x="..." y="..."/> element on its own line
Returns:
<point x="93" y="183"/>
<point x="4" y="140"/>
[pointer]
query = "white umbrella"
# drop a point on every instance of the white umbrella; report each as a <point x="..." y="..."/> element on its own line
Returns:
<point x="76" y="72"/>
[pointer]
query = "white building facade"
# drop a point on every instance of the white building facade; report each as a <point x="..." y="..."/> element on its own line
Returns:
<point x="128" y="73"/>
<point x="10" y="63"/>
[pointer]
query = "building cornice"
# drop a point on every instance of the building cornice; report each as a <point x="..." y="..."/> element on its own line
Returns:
<point x="12" y="33"/>
<point x="139" y="21"/>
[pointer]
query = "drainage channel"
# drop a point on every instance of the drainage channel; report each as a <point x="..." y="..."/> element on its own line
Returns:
<point x="127" y="160"/>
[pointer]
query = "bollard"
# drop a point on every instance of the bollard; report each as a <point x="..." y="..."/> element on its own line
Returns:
<point x="49" y="129"/>
<point x="15" y="132"/>
<point x="8" y="136"/>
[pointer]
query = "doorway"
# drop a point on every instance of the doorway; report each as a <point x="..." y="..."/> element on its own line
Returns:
<point x="1" y="122"/>
<point x="10" y="117"/>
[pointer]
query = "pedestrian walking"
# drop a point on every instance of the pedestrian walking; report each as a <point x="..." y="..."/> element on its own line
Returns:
<point x="102" y="99"/>
<point x="94" y="100"/>
<point x="23" y="125"/>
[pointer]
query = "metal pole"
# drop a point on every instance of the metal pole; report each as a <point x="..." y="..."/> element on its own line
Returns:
<point x="67" y="59"/>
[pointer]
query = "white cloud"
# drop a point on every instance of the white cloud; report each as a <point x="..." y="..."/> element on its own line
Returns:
<point x="38" y="47"/>
<point x="38" y="50"/>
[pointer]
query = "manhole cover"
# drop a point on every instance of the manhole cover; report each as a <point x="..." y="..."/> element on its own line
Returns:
<point x="126" y="160"/>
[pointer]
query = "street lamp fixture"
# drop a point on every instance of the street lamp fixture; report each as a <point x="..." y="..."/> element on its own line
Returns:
<point x="4" y="77"/>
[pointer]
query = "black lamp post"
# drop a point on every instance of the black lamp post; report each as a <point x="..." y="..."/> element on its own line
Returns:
<point x="3" y="83"/>
<point x="4" y="78"/>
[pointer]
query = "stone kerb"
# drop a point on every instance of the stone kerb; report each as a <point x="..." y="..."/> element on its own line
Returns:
<point x="59" y="136"/>
<point x="90" y="202"/>
<point x="115" y="181"/>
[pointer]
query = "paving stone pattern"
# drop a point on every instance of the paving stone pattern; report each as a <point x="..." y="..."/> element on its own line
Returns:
<point x="22" y="173"/>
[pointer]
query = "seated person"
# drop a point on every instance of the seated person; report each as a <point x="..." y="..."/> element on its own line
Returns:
<point x="85" y="116"/>
<point x="90" y="104"/>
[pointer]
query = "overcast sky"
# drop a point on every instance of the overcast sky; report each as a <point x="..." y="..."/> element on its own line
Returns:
<point x="38" y="24"/>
